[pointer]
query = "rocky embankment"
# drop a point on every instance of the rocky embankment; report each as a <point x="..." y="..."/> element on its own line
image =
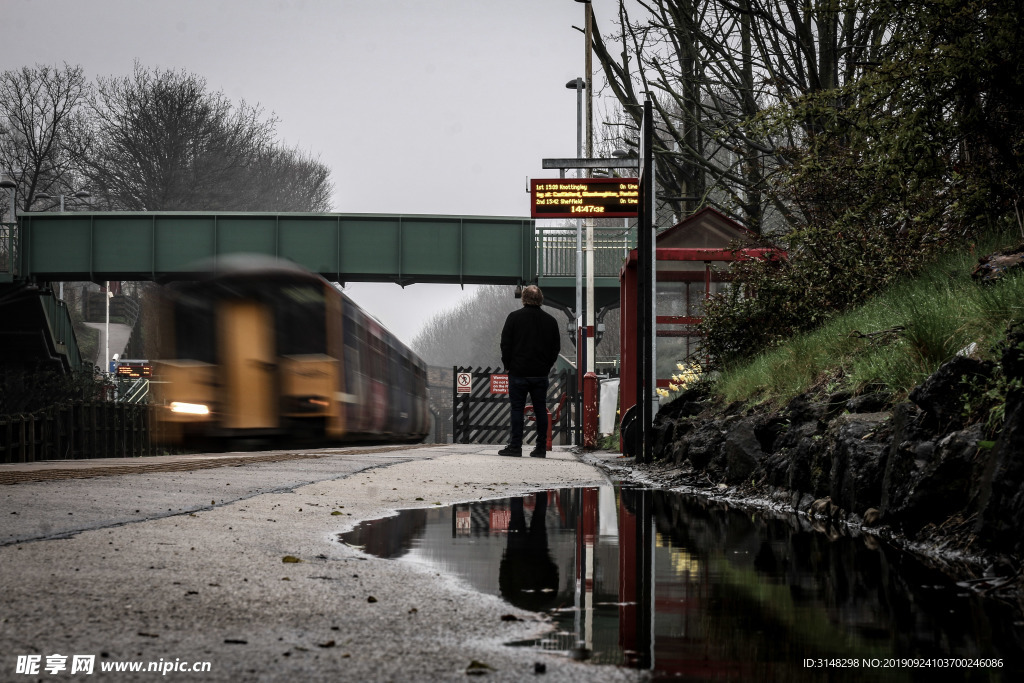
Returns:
<point x="917" y="470"/>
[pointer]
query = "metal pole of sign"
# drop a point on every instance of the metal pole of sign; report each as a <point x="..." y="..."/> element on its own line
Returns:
<point x="649" y="320"/>
<point x="106" y="330"/>
<point x="580" y="84"/>
<point x="590" y="378"/>
<point x="644" y="338"/>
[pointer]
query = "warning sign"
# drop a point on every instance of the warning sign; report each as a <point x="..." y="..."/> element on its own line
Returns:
<point x="464" y="382"/>
<point x="499" y="384"/>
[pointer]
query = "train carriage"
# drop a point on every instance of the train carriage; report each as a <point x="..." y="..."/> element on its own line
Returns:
<point x="262" y="349"/>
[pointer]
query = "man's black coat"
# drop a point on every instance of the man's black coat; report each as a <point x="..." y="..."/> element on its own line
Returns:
<point x="529" y="342"/>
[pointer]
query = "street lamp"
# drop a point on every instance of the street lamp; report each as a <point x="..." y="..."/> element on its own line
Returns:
<point x="8" y="183"/>
<point x="81" y="194"/>
<point x="589" y="67"/>
<point x="590" y="321"/>
<point x="7" y="232"/>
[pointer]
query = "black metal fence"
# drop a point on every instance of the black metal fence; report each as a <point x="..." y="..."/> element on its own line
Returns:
<point x="77" y="431"/>
<point x="480" y="416"/>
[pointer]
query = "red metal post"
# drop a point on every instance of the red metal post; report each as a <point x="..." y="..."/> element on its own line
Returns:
<point x="627" y="336"/>
<point x="590" y="385"/>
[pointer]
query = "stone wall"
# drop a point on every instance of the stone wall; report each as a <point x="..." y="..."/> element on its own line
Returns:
<point x="917" y="466"/>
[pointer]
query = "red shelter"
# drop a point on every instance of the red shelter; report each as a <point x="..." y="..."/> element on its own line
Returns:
<point x="692" y="258"/>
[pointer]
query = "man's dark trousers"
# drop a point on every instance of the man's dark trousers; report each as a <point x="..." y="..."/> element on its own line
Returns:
<point x="537" y="389"/>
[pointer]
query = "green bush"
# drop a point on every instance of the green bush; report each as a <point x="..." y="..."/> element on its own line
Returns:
<point x="892" y="342"/>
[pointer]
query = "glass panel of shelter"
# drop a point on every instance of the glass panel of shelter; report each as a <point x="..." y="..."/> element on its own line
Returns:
<point x="681" y="291"/>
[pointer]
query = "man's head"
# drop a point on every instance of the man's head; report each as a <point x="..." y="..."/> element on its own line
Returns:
<point x="532" y="296"/>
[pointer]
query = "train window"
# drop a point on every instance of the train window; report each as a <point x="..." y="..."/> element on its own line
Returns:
<point x="351" y="331"/>
<point x="194" y="330"/>
<point x="301" y="320"/>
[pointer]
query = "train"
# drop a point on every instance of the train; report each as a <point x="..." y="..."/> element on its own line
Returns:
<point x="255" y="349"/>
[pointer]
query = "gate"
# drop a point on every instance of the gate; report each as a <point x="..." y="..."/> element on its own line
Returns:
<point x="479" y="416"/>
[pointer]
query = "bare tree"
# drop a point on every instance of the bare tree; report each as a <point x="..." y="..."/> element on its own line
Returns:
<point x="713" y="66"/>
<point x="160" y="140"/>
<point x="288" y="180"/>
<point x="470" y="334"/>
<point x="41" y="108"/>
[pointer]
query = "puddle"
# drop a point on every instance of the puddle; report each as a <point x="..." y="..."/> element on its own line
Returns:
<point x="695" y="590"/>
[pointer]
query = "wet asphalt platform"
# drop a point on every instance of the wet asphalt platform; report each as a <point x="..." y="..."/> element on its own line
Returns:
<point x="232" y="563"/>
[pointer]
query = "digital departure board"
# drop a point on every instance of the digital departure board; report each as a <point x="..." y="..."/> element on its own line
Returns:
<point x="585" y="198"/>
<point x="134" y="369"/>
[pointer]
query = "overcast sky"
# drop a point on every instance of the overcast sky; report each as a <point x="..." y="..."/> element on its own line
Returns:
<point x="417" y="106"/>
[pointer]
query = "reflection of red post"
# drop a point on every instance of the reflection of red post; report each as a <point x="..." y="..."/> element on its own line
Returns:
<point x="628" y="627"/>
<point x="590" y="410"/>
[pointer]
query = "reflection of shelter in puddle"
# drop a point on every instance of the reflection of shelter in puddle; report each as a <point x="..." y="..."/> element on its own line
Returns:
<point x="685" y="586"/>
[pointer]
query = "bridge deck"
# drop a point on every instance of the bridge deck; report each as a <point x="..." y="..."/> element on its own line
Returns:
<point x="341" y="247"/>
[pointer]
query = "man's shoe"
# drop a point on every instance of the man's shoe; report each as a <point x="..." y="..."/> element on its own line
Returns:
<point x="538" y="453"/>
<point x="511" y="451"/>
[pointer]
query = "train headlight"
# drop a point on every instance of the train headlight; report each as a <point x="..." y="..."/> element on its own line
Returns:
<point x="189" y="408"/>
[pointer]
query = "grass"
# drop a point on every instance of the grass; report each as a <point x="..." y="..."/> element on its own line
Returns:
<point x="893" y="342"/>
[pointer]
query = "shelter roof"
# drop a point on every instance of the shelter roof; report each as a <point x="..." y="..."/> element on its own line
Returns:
<point x="707" y="229"/>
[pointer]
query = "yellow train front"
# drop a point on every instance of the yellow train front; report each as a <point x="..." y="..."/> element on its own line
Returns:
<point x="262" y="351"/>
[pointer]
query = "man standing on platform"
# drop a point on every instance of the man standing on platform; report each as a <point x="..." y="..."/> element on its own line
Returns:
<point x="529" y="347"/>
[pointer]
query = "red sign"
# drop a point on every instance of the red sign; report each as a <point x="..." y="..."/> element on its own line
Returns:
<point x="464" y="383"/>
<point x="499" y="384"/>
<point x="499" y="519"/>
<point x="585" y="198"/>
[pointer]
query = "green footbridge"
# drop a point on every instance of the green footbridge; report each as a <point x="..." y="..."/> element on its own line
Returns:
<point x="98" y="246"/>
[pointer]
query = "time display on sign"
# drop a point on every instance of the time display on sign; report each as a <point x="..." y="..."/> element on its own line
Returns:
<point x="134" y="369"/>
<point x="585" y="197"/>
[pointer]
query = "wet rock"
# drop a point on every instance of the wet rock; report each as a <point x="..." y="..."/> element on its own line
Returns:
<point x="1001" y="485"/>
<point x="941" y="395"/>
<point x="820" y="507"/>
<point x="704" y="444"/>
<point x="1012" y="356"/>
<point x="662" y="434"/>
<point x="914" y="465"/>
<point x="874" y="402"/>
<point x="689" y="403"/>
<point x="776" y="469"/>
<point x="858" y="454"/>
<point x="769" y="430"/>
<point x="805" y="419"/>
<point x="836" y="403"/>
<point x="935" y="480"/>
<point x="802" y="473"/>
<point x="742" y="451"/>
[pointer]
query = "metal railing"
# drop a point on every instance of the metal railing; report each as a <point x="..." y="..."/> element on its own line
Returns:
<point x="556" y="251"/>
<point x="133" y="391"/>
<point x="76" y="431"/>
<point x="61" y="329"/>
<point x="7" y="251"/>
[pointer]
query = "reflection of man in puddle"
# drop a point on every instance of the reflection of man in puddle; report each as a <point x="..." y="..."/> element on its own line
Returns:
<point x="528" y="577"/>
